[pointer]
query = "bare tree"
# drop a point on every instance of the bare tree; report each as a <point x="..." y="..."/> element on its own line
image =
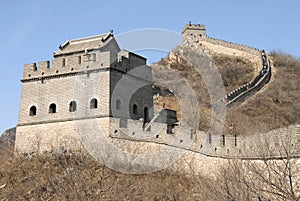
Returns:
<point x="273" y="177"/>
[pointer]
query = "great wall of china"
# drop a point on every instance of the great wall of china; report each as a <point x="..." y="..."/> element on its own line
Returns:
<point x="130" y="135"/>
<point x="268" y="145"/>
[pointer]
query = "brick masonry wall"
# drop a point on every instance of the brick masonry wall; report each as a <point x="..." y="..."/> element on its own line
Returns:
<point x="80" y="79"/>
<point x="130" y="89"/>
<point x="198" y="39"/>
<point x="65" y="130"/>
<point x="180" y="152"/>
<point x="59" y="136"/>
<point x="72" y="64"/>
<point x="198" y="153"/>
<point x="80" y="88"/>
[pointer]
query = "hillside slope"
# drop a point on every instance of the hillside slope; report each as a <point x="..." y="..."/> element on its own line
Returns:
<point x="80" y="177"/>
<point x="7" y="142"/>
<point x="74" y="176"/>
<point x="273" y="107"/>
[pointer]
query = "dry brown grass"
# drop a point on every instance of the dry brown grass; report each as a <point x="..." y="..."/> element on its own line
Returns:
<point x="275" y="106"/>
<point x="235" y="71"/>
<point x="79" y="177"/>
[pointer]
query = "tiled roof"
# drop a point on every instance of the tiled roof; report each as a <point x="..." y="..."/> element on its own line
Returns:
<point x="81" y="44"/>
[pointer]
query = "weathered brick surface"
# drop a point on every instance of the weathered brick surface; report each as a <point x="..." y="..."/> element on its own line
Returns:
<point x="62" y="91"/>
<point x="120" y="75"/>
<point x="80" y="73"/>
<point x="60" y="135"/>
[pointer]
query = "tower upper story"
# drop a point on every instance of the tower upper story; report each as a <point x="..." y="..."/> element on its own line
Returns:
<point x="82" y="54"/>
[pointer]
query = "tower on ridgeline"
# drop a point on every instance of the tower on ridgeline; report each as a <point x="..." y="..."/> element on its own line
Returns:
<point x="193" y="31"/>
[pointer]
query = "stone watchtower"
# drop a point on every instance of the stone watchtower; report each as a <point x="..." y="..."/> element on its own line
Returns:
<point x="89" y="79"/>
<point x="194" y="32"/>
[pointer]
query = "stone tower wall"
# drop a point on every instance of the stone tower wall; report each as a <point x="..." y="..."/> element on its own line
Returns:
<point x="59" y="136"/>
<point x="71" y="64"/>
<point x="61" y="91"/>
<point x="76" y="76"/>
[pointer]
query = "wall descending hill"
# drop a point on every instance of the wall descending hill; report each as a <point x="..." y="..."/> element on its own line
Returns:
<point x="231" y="45"/>
<point x="252" y="87"/>
<point x="272" y="108"/>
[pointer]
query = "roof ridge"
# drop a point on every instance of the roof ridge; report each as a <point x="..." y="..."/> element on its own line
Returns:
<point x="86" y="39"/>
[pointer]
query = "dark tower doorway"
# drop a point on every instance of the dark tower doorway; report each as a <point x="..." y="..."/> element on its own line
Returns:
<point x="146" y="114"/>
<point x="146" y="117"/>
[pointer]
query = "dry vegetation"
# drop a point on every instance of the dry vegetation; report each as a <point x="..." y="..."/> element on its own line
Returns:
<point x="79" y="177"/>
<point x="235" y="71"/>
<point x="275" y="106"/>
<point x="198" y="85"/>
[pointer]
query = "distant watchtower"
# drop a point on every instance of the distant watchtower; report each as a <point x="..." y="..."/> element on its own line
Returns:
<point x="193" y="31"/>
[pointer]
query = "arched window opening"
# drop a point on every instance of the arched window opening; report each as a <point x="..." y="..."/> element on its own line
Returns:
<point x="118" y="104"/>
<point x="72" y="106"/>
<point x="94" y="103"/>
<point x="52" y="108"/>
<point x="32" y="111"/>
<point x="135" y="109"/>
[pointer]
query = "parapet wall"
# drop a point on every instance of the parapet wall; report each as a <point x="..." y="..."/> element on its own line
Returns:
<point x="123" y="61"/>
<point x="195" y="35"/>
<point x="69" y="64"/>
<point x="240" y="47"/>
<point x="122" y="137"/>
<point x="257" y="146"/>
<point x="273" y="144"/>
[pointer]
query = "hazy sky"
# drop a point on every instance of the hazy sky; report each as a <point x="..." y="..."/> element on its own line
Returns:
<point x="32" y="30"/>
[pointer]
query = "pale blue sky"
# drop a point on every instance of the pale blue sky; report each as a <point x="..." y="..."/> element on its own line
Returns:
<point x="32" y="30"/>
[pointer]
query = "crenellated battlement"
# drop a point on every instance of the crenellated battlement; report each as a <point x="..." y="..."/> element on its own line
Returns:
<point x="196" y="33"/>
<point x="194" y="27"/>
<point x="214" y="145"/>
<point x="122" y="61"/>
<point x="98" y="93"/>
<point x="69" y="64"/>
<point x="241" y="47"/>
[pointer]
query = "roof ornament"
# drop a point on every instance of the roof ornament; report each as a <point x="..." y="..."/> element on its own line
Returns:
<point x="64" y="45"/>
<point x="107" y="36"/>
<point x="111" y="32"/>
